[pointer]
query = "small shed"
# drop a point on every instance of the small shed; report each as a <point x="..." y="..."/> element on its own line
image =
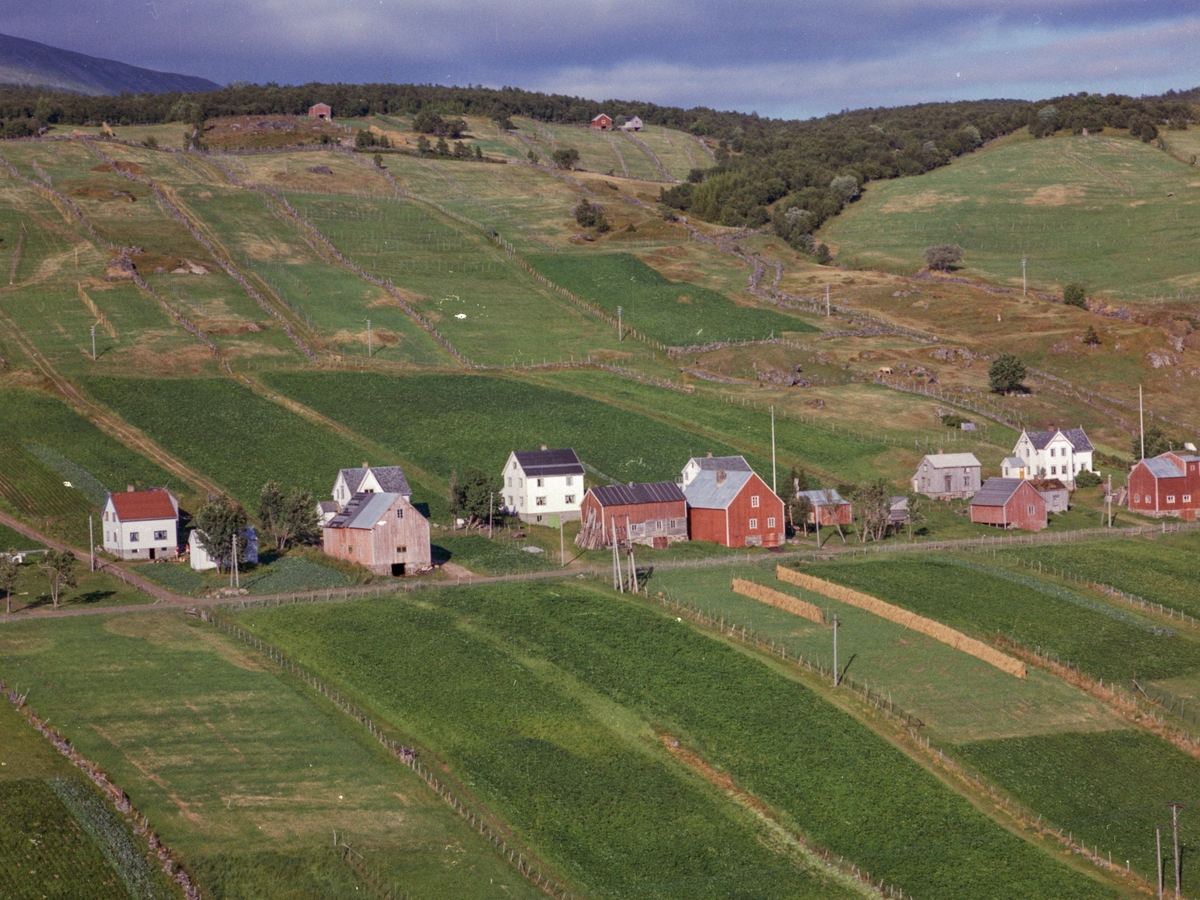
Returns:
<point x="320" y="111"/>
<point x="947" y="476"/>
<point x="829" y="505"/>
<point x="200" y="560"/>
<point x="633" y="123"/>
<point x="1054" y="492"/>
<point x="898" y="511"/>
<point x="602" y="122"/>
<point x="1015" y="467"/>
<point x="1009" y="503"/>
<point x="653" y="514"/>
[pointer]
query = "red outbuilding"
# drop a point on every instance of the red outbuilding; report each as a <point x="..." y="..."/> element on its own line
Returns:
<point x="320" y="111"/>
<point x="1009" y="503"/>
<point x="731" y="505"/>
<point x="602" y="122"/>
<point x="652" y="514"/>
<point x="1166" y="485"/>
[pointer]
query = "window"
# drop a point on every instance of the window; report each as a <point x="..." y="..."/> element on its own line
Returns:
<point x="1170" y="498"/>
<point x="1187" y="498"/>
<point x="569" y="498"/>
<point x="510" y="481"/>
<point x="1053" y="470"/>
<point x="399" y="514"/>
<point x="541" y="482"/>
<point x="1137" y="498"/>
<point x="1051" y="451"/>
<point x="754" y="524"/>
<point x="754" y="501"/>
<point x="133" y="536"/>
<point x="771" y="522"/>
<point x="570" y="481"/>
<point x="106" y="515"/>
<point x="510" y="501"/>
<point x="1029" y="509"/>
<point x="160" y="535"/>
<point x="401" y="549"/>
<point x="539" y="501"/>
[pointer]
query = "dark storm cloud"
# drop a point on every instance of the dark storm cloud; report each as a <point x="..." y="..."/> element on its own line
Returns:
<point x="780" y="58"/>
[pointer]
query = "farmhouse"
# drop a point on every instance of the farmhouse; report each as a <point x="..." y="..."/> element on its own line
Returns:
<point x="732" y="507"/>
<point x="947" y="476"/>
<point x="367" y="480"/>
<point x="652" y="514"/>
<point x="382" y="531"/>
<point x="1057" y="453"/>
<point x="1166" y="485"/>
<point x="543" y="487"/>
<point x="1009" y="503"/>
<point x="200" y="561"/>
<point x="141" y="524"/>
<point x="633" y="123"/>
<point x="1054" y="492"/>
<point x="829" y="507"/>
<point x="602" y="122"/>
<point x="320" y="111"/>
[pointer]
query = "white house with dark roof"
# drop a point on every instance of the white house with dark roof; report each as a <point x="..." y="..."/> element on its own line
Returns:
<point x="369" y="480"/>
<point x="1060" y="453"/>
<point x="540" y="486"/>
<point x="1014" y="467"/>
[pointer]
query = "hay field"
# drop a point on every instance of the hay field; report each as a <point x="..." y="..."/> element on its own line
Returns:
<point x="1092" y="209"/>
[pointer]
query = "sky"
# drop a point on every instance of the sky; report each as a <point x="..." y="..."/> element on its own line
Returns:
<point x="790" y="59"/>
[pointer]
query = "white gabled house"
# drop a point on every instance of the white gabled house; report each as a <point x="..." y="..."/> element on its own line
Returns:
<point x="368" y="480"/>
<point x="542" y="485"/>
<point x="141" y="524"/>
<point x="1060" y="453"/>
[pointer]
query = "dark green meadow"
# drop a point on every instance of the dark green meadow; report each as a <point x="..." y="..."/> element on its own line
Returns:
<point x="548" y="701"/>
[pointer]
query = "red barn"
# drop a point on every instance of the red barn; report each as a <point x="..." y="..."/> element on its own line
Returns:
<point x="602" y="122"/>
<point x="652" y="514"/>
<point x="320" y="111"/>
<point x="731" y="506"/>
<point x="1166" y="485"/>
<point x="1009" y="503"/>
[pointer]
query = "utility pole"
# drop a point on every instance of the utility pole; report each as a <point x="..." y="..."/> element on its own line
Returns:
<point x="632" y="563"/>
<point x="562" y="547"/>
<point x="618" y="583"/>
<point x="1022" y="276"/>
<point x="620" y="331"/>
<point x="93" y="343"/>
<point x="1158" y="846"/>
<point x="492" y="499"/>
<point x="827" y="301"/>
<point x="234" y="579"/>
<point x="1141" y="422"/>
<point x="1175" y="808"/>
<point x="368" y="338"/>
<point x="774" y="486"/>
<point x="91" y="546"/>
<point x="1108" y="499"/>
<point x="836" y="674"/>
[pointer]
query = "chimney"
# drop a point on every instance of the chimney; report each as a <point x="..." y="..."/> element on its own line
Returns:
<point x="129" y="488"/>
<point x="709" y="454"/>
<point x="940" y="451"/>
<point x="365" y="466"/>
<point x="721" y="476"/>
<point x="544" y="447"/>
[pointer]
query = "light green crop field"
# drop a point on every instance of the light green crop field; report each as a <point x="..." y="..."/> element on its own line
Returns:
<point x="605" y="152"/>
<point x="959" y="697"/>
<point x="239" y="769"/>
<point x="1111" y="212"/>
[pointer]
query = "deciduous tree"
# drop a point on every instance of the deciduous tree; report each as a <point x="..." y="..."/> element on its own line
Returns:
<point x="59" y="566"/>
<point x="218" y="523"/>
<point x="10" y="569"/>
<point x="470" y="495"/>
<point x="943" y="257"/>
<point x="1006" y="373"/>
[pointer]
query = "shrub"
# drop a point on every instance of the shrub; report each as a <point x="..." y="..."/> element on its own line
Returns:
<point x="1086" y="479"/>
<point x="565" y="158"/>
<point x="846" y="186"/>
<point x="1073" y="295"/>
<point x="943" y="257"/>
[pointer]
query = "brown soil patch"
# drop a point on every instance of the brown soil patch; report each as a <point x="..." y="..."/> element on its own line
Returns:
<point x="1055" y="195"/>
<point x="683" y="299"/>
<point x="258" y="132"/>
<point x="609" y="355"/>
<point x="919" y="202"/>
<point x="380" y="337"/>
<point x="273" y="251"/>
<point x="176" y="361"/>
<point x="101" y="193"/>
<point x="228" y="326"/>
<point x="721" y="779"/>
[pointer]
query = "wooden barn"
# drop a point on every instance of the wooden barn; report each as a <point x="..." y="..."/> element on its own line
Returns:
<point x="947" y="476"/>
<point x="1166" y="485"/>
<point x="732" y="508"/>
<point x="320" y="111"/>
<point x="1009" y="503"/>
<point x="381" y="531"/>
<point x="602" y="122"/>
<point x="633" y="123"/>
<point x="653" y="514"/>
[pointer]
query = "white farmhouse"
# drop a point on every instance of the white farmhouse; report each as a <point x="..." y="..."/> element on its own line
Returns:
<point x="1060" y="453"/>
<point x="542" y="485"/>
<point x="368" y="480"/>
<point x="141" y="524"/>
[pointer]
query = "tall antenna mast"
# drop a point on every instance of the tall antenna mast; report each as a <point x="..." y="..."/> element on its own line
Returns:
<point x="1141" y="422"/>
<point x="774" y="486"/>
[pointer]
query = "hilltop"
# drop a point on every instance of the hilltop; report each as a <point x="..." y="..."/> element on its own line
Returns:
<point x="31" y="64"/>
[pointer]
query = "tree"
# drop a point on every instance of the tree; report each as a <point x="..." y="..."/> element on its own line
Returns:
<point x="1006" y="373"/>
<point x="829" y="498"/>
<point x="217" y="523"/>
<point x="846" y="186"/>
<point x="59" y="566"/>
<point x="873" y="500"/>
<point x="151" y="141"/>
<point x="916" y="511"/>
<point x="470" y="495"/>
<point x="1156" y="441"/>
<point x="799" y="509"/>
<point x="565" y="157"/>
<point x="300" y="525"/>
<point x="378" y="160"/>
<point x="1073" y="294"/>
<point x="1091" y="338"/>
<point x="503" y="122"/>
<point x="271" y="504"/>
<point x="442" y="148"/>
<point x="943" y="257"/>
<point x="9" y="570"/>
<point x="423" y="145"/>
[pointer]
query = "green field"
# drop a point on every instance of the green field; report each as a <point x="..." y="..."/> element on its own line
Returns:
<point x="675" y="313"/>
<point x="285" y="575"/>
<point x="1108" y="789"/>
<point x="484" y="557"/>
<point x="1093" y="209"/>
<point x="552" y="701"/>
<point x="253" y="773"/>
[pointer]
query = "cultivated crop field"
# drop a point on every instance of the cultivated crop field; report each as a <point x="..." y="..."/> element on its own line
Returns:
<point x="610" y="152"/>
<point x="1111" y="212"/>
<point x="527" y="675"/>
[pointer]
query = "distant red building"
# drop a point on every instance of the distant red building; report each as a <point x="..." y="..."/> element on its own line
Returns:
<point x="1009" y="503"/>
<point x="602" y="122"/>
<point x="829" y="506"/>
<point x="320" y="111"/>
<point x="652" y="514"/>
<point x="1166" y="485"/>
<point x="729" y="504"/>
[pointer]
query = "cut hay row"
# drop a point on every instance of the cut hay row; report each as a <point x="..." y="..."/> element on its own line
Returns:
<point x="779" y="600"/>
<point x="900" y="616"/>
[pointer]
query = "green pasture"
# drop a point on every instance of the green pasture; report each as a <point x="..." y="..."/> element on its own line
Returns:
<point x="678" y="152"/>
<point x="483" y="303"/>
<point x="1108" y="789"/>
<point x="498" y="556"/>
<point x="282" y="575"/>
<point x="958" y="697"/>
<point x="675" y="313"/>
<point x="252" y="772"/>
<point x="548" y="698"/>
<point x="1103" y="638"/>
<point x="1111" y="212"/>
<point x="606" y="152"/>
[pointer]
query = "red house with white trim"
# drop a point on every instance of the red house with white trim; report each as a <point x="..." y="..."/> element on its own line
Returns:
<point x="1009" y="503"/>
<point x="1166" y="485"/>
<point x="652" y="514"/>
<point x="602" y="122"/>
<point x="730" y="505"/>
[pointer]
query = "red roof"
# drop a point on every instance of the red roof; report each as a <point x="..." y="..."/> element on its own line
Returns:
<point x="134" y="505"/>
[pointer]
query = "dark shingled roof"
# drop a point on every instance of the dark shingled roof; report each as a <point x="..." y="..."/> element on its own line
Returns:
<point x="996" y="491"/>
<point x="548" y="463"/>
<point x="391" y="479"/>
<point x="1079" y="440"/>
<point x="633" y="494"/>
